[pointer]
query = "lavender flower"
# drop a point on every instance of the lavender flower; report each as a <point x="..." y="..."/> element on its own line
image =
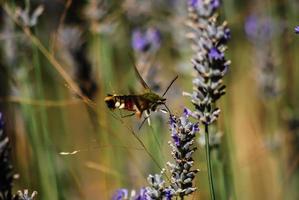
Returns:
<point x="183" y="148"/>
<point x="120" y="194"/>
<point x="143" y="41"/>
<point x="209" y="62"/>
<point x="6" y="173"/>
<point x="261" y="31"/>
<point x="297" y="29"/>
<point x="182" y="133"/>
<point x="123" y="194"/>
<point x="145" y="44"/>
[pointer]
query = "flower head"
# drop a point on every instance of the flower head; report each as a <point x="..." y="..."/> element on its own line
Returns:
<point x="209" y="41"/>
<point x="143" y="41"/>
<point x="6" y="173"/>
<point x="297" y="29"/>
<point x="182" y="173"/>
<point x="260" y="29"/>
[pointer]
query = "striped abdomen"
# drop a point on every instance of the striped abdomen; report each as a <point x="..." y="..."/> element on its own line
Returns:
<point x="127" y="102"/>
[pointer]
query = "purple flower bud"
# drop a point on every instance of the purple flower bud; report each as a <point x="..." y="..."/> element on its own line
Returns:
<point x="154" y="36"/>
<point x="215" y="4"/>
<point x="139" y="41"/>
<point x="260" y="29"/>
<point x="195" y="127"/>
<point x="215" y="54"/>
<point x="187" y="112"/>
<point x="227" y="34"/>
<point x="142" y="41"/>
<point x="172" y="121"/>
<point x="176" y="139"/>
<point x="193" y="3"/>
<point x="120" y="194"/>
<point x="251" y="25"/>
<point x="297" y="30"/>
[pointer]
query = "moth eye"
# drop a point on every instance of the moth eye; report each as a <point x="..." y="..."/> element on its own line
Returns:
<point x="110" y="103"/>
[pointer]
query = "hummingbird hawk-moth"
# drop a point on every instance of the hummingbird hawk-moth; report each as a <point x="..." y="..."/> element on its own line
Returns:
<point x="146" y="102"/>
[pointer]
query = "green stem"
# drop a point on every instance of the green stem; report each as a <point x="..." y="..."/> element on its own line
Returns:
<point x="208" y="157"/>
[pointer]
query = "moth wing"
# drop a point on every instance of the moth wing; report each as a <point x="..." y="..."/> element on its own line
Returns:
<point x="141" y="80"/>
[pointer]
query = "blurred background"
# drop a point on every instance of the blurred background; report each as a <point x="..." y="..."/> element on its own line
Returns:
<point x="60" y="58"/>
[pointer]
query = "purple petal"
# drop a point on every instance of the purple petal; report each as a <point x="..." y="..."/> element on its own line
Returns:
<point x="120" y="194"/>
<point x="139" y="41"/>
<point x="193" y="3"/>
<point x="215" y="54"/>
<point x="297" y="30"/>
<point x="154" y="36"/>
<point x="187" y="112"/>
<point x="215" y="4"/>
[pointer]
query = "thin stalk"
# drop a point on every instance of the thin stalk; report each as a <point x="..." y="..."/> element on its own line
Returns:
<point x="208" y="157"/>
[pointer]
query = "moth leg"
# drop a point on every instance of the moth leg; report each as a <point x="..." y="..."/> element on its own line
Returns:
<point x="124" y="116"/>
<point x="142" y="123"/>
<point x="128" y="115"/>
<point x="147" y="113"/>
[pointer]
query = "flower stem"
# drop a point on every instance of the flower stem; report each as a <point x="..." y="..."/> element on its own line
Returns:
<point x="208" y="157"/>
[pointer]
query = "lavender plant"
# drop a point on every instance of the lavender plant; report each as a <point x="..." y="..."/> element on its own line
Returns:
<point x="181" y="185"/>
<point x="209" y="44"/>
<point x="6" y="172"/>
<point x="260" y="32"/>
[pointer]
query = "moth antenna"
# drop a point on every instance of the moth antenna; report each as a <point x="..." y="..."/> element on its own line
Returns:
<point x="173" y="80"/>
<point x="167" y="109"/>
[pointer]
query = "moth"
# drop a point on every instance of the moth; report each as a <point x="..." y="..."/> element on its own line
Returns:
<point x="146" y="102"/>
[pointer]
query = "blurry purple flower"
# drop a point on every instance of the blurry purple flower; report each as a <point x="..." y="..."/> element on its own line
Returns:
<point x="192" y="3"/>
<point x="143" y="41"/>
<point x="139" y="41"/>
<point x="120" y="194"/>
<point x="215" y="3"/>
<point x="260" y="28"/>
<point x="215" y="54"/>
<point x="154" y="36"/>
<point x="251" y="25"/>
<point x="297" y="30"/>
